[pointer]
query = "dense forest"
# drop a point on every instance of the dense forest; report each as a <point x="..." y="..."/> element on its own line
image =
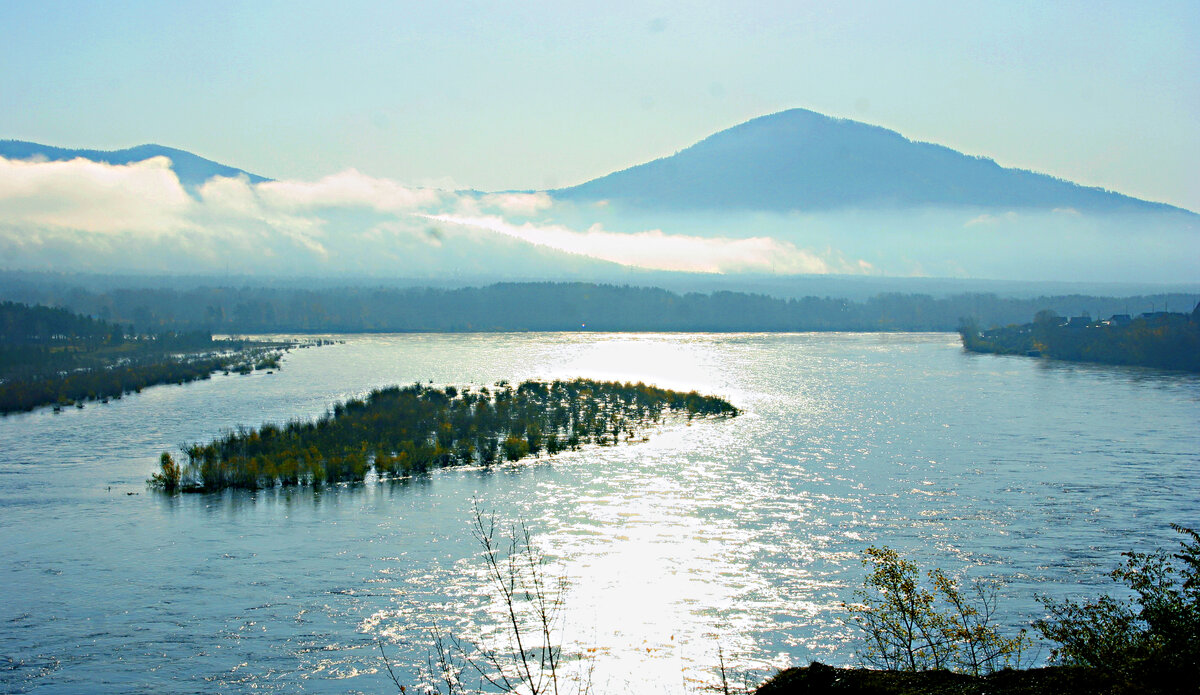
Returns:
<point x="549" y="307"/>
<point x="1164" y="340"/>
<point x="52" y="356"/>
<point x="400" y="430"/>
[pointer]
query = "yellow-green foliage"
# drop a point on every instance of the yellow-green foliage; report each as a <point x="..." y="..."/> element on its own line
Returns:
<point x="169" y="475"/>
<point x="1151" y="639"/>
<point x="401" y="430"/>
<point x="908" y="627"/>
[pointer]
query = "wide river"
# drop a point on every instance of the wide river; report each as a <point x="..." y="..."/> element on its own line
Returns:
<point x="731" y="540"/>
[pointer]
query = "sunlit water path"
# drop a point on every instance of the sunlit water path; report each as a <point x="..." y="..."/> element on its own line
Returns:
<point x="742" y="535"/>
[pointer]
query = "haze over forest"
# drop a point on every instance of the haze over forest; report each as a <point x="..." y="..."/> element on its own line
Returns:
<point x="791" y="194"/>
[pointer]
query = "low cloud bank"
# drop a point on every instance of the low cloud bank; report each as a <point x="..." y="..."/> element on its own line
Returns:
<point x="656" y="250"/>
<point x="83" y="213"/>
<point x="82" y="195"/>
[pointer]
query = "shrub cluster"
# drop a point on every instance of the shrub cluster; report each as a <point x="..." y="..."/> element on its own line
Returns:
<point x="909" y="627"/>
<point x="1145" y="642"/>
<point x="401" y="430"/>
<point x="1150" y="640"/>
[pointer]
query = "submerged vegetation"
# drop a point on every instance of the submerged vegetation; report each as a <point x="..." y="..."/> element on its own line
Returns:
<point x="50" y="356"/>
<point x="397" y="431"/>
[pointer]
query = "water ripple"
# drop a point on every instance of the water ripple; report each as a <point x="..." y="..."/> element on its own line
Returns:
<point x="741" y="536"/>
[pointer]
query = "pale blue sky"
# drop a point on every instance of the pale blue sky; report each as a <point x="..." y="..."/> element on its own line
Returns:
<point x="532" y="95"/>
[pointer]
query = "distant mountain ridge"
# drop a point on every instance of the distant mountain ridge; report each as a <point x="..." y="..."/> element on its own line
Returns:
<point x="191" y="169"/>
<point x="806" y="161"/>
<point x="795" y="160"/>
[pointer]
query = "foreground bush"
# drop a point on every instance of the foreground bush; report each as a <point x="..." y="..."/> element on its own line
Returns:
<point x="909" y="627"/>
<point x="1150" y="640"/>
<point x="929" y="640"/>
<point x="819" y="679"/>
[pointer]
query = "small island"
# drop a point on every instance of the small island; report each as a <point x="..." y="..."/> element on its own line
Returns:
<point x="1164" y="340"/>
<point x="398" y="431"/>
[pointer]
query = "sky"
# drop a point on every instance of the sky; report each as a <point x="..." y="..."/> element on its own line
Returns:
<point x="537" y="95"/>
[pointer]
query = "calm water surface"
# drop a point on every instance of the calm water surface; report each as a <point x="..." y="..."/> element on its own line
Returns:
<point x="740" y="535"/>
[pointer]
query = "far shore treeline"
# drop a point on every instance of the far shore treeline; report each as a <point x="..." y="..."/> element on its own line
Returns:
<point x="548" y="306"/>
<point x="398" y="431"/>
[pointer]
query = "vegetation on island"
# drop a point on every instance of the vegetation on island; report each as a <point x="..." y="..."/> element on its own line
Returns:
<point x="398" y="431"/>
<point x="1163" y="340"/>
<point x="50" y="356"/>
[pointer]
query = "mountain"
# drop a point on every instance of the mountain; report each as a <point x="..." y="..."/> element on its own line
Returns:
<point x="873" y="203"/>
<point x="802" y="160"/>
<point x="191" y="169"/>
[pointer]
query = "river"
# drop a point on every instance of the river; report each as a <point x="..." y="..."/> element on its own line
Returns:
<point x="731" y="540"/>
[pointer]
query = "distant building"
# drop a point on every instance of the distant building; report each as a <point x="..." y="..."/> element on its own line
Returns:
<point x="1157" y="317"/>
<point x="1120" y="320"/>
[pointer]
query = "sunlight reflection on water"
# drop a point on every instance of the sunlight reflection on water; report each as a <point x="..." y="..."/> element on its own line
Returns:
<point x="741" y="536"/>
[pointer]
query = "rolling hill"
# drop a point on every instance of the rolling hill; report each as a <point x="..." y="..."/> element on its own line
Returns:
<point x="191" y="169"/>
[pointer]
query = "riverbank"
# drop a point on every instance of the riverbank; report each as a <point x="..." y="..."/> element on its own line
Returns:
<point x="1049" y="680"/>
<point x="1162" y="340"/>
<point x="51" y="357"/>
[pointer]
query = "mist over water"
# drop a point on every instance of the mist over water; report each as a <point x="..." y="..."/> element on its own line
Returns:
<point x="741" y="534"/>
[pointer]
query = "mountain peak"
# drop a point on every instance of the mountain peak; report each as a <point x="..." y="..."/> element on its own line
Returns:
<point x="191" y="169"/>
<point x="803" y="160"/>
